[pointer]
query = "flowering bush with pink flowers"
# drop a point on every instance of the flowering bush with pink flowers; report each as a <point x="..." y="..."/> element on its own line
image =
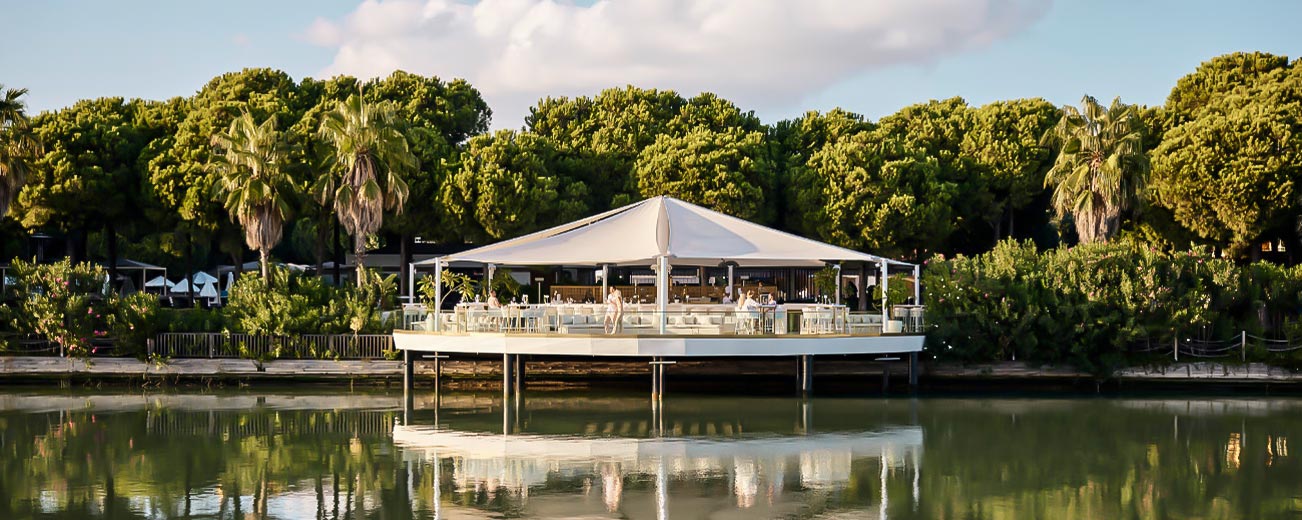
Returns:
<point x="61" y="301"/>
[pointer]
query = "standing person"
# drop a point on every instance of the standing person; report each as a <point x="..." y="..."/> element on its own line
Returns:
<point x="614" y="311"/>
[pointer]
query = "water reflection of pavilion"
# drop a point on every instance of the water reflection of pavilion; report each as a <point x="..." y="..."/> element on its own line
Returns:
<point x="758" y="470"/>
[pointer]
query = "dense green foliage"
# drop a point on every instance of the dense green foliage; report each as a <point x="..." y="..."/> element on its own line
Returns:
<point x="935" y="177"/>
<point x="64" y="302"/>
<point x="287" y="303"/>
<point x="1230" y="172"/>
<point x="1100" y="306"/>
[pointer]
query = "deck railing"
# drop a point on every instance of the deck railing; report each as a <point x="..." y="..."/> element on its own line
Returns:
<point x="307" y="346"/>
<point x="681" y="319"/>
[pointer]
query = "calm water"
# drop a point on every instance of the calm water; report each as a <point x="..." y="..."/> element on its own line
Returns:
<point x="336" y="454"/>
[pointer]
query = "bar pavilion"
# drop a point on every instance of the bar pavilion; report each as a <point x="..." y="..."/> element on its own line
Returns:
<point x="663" y="233"/>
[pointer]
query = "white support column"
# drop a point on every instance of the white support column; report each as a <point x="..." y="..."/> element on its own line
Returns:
<point x="662" y="292"/>
<point x="917" y="286"/>
<point x="438" y="293"/>
<point x="489" y="271"/>
<point x="885" y="277"/>
<point x="729" y="293"/>
<point x="605" y="284"/>
<point x="838" y="283"/>
<point x="411" y="282"/>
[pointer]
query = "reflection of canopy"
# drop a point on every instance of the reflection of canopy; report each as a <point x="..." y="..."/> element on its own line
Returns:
<point x="519" y="461"/>
<point x="640" y="233"/>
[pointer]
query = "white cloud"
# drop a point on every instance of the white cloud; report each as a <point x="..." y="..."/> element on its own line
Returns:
<point x="759" y="53"/>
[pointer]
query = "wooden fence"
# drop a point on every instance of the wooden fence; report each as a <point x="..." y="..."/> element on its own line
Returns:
<point x="306" y="346"/>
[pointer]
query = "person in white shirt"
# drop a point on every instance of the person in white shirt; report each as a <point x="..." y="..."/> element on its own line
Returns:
<point x="493" y="302"/>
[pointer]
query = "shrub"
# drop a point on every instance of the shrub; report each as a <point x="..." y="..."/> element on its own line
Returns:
<point x="60" y="301"/>
<point x="285" y="303"/>
<point x="134" y="321"/>
<point x="295" y="304"/>
<point x="1090" y="306"/>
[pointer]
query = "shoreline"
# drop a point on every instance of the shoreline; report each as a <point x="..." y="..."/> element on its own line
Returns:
<point x="836" y="375"/>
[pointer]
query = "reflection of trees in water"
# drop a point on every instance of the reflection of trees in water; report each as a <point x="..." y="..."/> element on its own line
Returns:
<point x="164" y="463"/>
<point x="1108" y="458"/>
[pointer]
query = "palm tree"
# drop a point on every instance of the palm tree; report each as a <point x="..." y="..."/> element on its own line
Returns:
<point x="250" y="160"/>
<point x="1101" y="167"/>
<point x="18" y="145"/>
<point x="370" y="156"/>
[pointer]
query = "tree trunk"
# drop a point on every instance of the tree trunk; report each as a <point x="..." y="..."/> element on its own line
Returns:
<point x="359" y="257"/>
<point x="1010" y="223"/>
<point x="189" y="266"/>
<point x="264" y="259"/>
<point x="319" y="247"/>
<point x="404" y="264"/>
<point x="110" y="232"/>
<point x="82" y="249"/>
<point x="339" y="255"/>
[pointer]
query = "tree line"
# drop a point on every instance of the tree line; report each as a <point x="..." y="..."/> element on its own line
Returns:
<point x="256" y="161"/>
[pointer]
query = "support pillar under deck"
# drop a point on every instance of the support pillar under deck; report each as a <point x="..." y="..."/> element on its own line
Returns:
<point x="517" y="366"/>
<point x="658" y="379"/>
<point x="913" y="371"/>
<point x="886" y="377"/>
<point x="805" y="374"/>
<point x="408" y="382"/>
<point x="508" y="374"/>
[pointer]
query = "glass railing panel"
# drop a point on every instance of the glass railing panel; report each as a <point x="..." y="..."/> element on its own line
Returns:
<point x="679" y="319"/>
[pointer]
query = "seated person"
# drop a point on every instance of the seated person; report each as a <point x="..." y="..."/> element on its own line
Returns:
<point x="493" y="302"/>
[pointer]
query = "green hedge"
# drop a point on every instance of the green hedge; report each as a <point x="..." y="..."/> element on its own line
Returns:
<point x="1098" y="307"/>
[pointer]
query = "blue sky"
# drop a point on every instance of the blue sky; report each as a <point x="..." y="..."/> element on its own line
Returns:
<point x="868" y="57"/>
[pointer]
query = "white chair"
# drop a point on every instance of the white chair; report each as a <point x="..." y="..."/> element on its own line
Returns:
<point x="748" y="321"/>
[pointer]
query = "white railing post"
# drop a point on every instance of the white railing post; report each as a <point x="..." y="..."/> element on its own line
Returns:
<point x="917" y="286"/>
<point x="838" y="283"/>
<point x="1243" y="344"/>
<point x="886" y="310"/>
<point x="438" y="293"/>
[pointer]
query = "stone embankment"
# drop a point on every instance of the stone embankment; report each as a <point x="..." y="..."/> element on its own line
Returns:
<point x="487" y="370"/>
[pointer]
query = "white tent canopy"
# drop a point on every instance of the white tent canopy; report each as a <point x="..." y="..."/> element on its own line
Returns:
<point x="209" y="290"/>
<point x="662" y="227"/>
<point x="159" y="281"/>
<point x="203" y="278"/>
